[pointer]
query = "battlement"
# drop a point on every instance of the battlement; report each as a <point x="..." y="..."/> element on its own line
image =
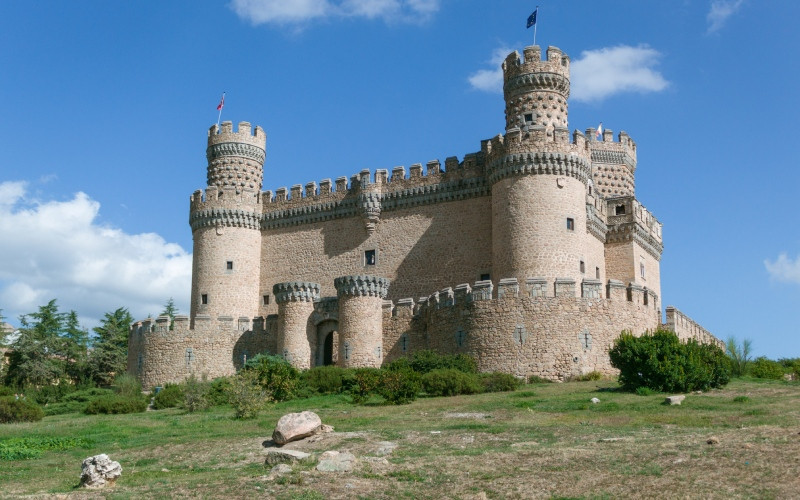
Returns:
<point x="203" y="325"/>
<point x="556" y="63"/>
<point x="685" y="328"/>
<point x="245" y="134"/>
<point x="532" y="288"/>
<point x="606" y="150"/>
<point x="627" y="210"/>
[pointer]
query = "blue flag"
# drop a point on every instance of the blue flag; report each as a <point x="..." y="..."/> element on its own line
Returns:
<point x="532" y="18"/>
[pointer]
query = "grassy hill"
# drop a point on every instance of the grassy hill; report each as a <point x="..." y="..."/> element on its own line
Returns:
<point x="542" y="441"/>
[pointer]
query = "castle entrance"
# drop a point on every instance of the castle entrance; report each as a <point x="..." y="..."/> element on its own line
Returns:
<point x="326" y="338"/>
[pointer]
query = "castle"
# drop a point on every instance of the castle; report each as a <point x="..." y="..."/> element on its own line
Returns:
<point x="531" y="254"/>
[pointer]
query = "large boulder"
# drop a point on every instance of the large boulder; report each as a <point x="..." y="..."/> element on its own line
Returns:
<point x="294" y="426"/>
<point x="99" y="471"/>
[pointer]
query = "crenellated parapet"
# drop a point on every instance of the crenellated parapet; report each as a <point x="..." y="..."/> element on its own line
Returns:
<point x="236" y="159"/>
<point x="613" y="163"/>
<point x="361" y="286"/>
<point x="296" y="291"/>
<point x="629" y="220"/>
<point x="686" y="328"/>
<point x="224" y="217"/>
<point x="502" y="166"/>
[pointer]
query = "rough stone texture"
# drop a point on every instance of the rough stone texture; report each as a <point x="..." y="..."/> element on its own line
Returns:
<point x="334" y="461"/>
<point x="294" y="426"/>
<point x="276" y="456"/>
<point x="545" y="224"/>
<point x="674" y="400"/>
<point x="595" y="401"/>
<point x="99" y="471"/>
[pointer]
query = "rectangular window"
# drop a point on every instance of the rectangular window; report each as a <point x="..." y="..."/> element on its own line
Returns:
<point x="204" y="299"/>
<point x="641" y="269"/>
<point x="597" y="272"/>
<point x="369" y="258"/>
<point x="265" y="300"/>
<point x="583" y="267"/>
<point x="486" y="277"/>
<point x="229" y="265"/>
<point x="528" y="117"/>
<point x="570" y="224"/>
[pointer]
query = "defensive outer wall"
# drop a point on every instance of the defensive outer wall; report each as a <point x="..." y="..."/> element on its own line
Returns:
<point x="531" y="254"/>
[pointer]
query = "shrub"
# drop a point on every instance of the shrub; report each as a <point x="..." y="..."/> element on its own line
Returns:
<point x="535" y="379"/>
<point x="741" y="399"/>
<point x="587" y="377"/>
<point x="739" y="355"/>
<point x="499" y="382"/>
<point x="427" y="360"/>
<point x="218" y="391"/>
<point x="6" y="391"/>
<point x="116" y="404"/>
<point x="127" y="385"/>
<point x="247" y="395"/>
<point x="48" y="394"/>
<point x="32" y="447"/>
<point x="276" y="375"/>
<point x="76" y="402"/>
<point x="171" y="396"/>
<point x="450" y="382"/>
<point x="660" y="361"/>
<point x="766" y="368"/>
<point x="14" y="410"/>
<point x="399" y="386"/>
<point x="326" y="379"/>
<point x="791" y="365"/>
<point x="365" y="383"/>
<point x="194" y="394"/>
<point x="645" y="391"/>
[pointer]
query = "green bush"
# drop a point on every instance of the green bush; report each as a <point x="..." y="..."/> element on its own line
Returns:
<point x="661" y="362"/>
<point x="127" y="385"/>
<point x="327" y="379"/>
<point x="32" y="447"/>
<point x="194" y="394"/>
<point x="116" y="404"/>
<point x="645" y="391"/>
<point x="218" y="391"/>
<point x="535" y="379"/>
<point x="766" y="368"/>
<point x="76" y="402"/>
<point x="427" y="360"/>
<point x="276" y="375"/>
<point x="450" y="382"/>
<point x="14" y="410"/>
<point x="399" y="386"/>
<point x="170" y="396"/>
<point x="6" y="391"/>
<point x="48" y="394"/>
<point x="365" y="383"/>
<point x="591" y="376"/>
<point x="499" y="382"/>
<point x="247" y="396"/>
<point x="791" y="365"/>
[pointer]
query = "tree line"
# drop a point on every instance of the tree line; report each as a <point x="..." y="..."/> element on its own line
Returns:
<point x="52" y="348"/>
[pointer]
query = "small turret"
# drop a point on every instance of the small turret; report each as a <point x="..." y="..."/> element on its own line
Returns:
<point x="236" y="159"/>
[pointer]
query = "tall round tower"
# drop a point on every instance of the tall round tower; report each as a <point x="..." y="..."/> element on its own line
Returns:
<point x="226" y="224"/>
<point x="539" y="177"/>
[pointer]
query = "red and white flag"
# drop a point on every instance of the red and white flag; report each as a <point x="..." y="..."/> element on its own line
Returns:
<point x="599" y="128"/>
<point x="221" y="102"/>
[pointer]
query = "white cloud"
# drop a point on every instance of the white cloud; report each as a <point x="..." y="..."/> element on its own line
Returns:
<point x="784" y="269"/>
<point x="57" y="249"/>
<point x="491" y="80"/>
<point x="719" y="13"/>
<point x="611" y="70"/>
<point x="596" y="75"/>
<point x="301" y="11"/>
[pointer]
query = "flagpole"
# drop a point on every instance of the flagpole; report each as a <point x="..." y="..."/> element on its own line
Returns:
<point x="534" y="25"/>
<point x="219" y="116"/>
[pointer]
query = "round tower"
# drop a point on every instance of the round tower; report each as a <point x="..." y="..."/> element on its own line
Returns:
<point x="225" y="223"/>
<point x="539" y="177"/>
<point x="296" y="337"/>
<point x="361" y="320"/>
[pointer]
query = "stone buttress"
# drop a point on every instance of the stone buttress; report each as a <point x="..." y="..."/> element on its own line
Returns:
<point x="296" y="335"/>
<point x="361" y="320"/>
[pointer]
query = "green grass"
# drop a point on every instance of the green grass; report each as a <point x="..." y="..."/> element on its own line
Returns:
<point x="627" y="445"/>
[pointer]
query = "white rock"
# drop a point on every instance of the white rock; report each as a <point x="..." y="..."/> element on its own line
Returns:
<point x="334" y="461"/>
<point x="595" y="400"/>
<point x="294" y="426"/>
<point x="674" y="400"/>
<point x="99" y="471"/>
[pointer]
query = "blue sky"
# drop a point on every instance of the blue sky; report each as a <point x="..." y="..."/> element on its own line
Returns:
<point x="107" y="105"/>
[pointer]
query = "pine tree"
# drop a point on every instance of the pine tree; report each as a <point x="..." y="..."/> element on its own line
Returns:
<point x="38" y="356"/>
<point x="109" y="357"/>
<point x="170" y="310"/>
<point x="76" y="344"/>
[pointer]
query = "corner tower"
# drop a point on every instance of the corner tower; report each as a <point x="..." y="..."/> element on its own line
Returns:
<point x="225" y="223"/>
<point x="540" y="178"/>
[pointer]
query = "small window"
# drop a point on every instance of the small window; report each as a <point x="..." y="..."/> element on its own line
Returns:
<point x="641" y="269"/>
<point x="486" y="277"/>
<point x="528" y="117"/>
<point x="229" y="265"/>
<point x="597" y="273"/>
<point x="369" y="258"/>
<point x="265" y="300"/>
<point x="204" y="299"/>
<point x="619" y="210"/>
<point x="583" y="267"/>
<point x="570" y="224"/>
